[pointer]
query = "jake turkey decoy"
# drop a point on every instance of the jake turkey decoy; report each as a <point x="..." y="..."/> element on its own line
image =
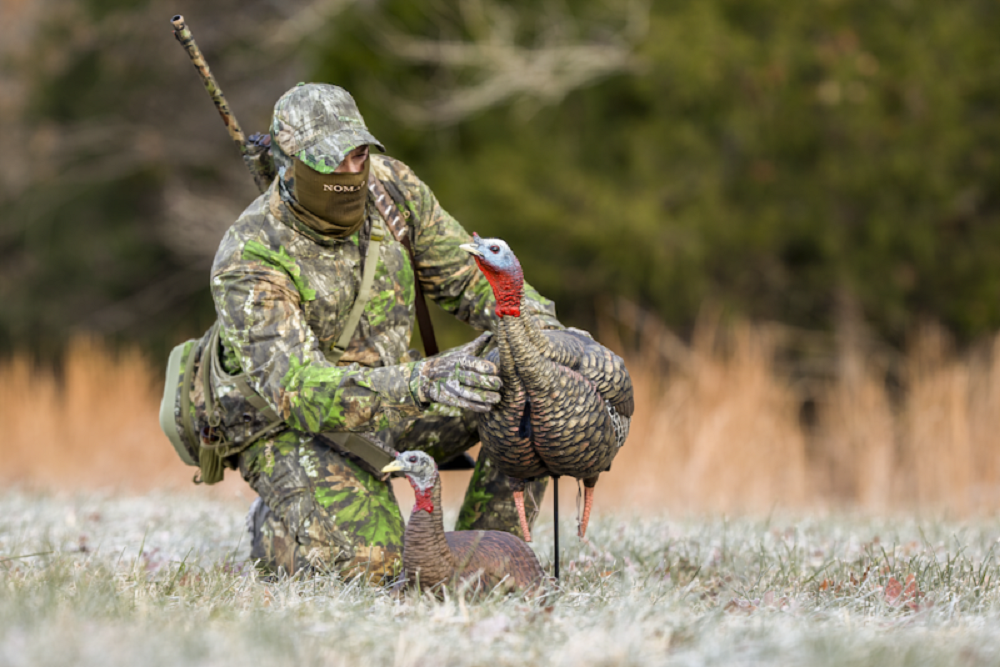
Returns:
<point x="566" y="401"/>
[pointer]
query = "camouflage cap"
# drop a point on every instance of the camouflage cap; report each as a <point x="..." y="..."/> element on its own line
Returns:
<point x="319" y="124"/>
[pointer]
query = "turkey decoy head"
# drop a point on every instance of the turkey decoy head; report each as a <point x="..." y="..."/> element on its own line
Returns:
<point x="418" y="467"/>
<point x="421" y="472"/>
<point x="503" y="271"/>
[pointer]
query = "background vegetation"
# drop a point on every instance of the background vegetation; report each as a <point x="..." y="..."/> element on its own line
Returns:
<point x="787" y="162"/>
<point x="668" y="172"/>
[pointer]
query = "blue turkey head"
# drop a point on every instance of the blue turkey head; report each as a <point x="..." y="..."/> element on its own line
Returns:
<point x="501" y="268"/>
<point x="495" y="254"/>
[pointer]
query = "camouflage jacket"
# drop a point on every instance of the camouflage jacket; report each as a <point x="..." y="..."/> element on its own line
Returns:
<point x="283" y="292"/>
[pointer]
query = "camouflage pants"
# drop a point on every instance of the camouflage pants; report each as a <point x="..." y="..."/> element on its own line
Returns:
<point x="326" y="511"/>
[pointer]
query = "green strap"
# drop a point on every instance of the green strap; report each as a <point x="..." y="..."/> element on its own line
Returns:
<point x="206" y="374"/>
<point x="209" y="460"/>
<point x="370" y="451"/>
<point x="253" y="398"/>
<point x="186" y="398"/>
<point x="367" y="280"/>
<point x="226" y="448"/>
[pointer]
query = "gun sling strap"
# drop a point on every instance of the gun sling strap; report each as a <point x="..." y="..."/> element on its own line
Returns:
<point x="400" y="232"/>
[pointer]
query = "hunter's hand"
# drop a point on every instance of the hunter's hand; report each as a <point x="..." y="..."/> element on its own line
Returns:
<point x="461" y="381"/>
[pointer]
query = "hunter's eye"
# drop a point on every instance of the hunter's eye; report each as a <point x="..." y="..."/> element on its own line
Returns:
<point x="412" y="459"/>
<point x="495" y="248"/>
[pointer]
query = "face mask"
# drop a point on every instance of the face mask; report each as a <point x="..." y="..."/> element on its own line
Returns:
<point x="334" y="204"/>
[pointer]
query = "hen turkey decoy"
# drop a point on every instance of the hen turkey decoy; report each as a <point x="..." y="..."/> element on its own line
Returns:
<point x="432" y="557"/>
<point x="566" y="401"/>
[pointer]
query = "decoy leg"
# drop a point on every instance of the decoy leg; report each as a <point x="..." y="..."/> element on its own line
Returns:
<point x="588" y="503"/>
<point x="518" y="486"/>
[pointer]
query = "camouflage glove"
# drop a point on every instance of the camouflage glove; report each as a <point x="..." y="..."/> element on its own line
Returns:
<point x="458" y="380"/>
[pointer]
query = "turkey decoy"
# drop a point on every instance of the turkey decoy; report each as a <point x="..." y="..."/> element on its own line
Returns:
<point x="566" y="401"/>
<point x="433" y="558"/>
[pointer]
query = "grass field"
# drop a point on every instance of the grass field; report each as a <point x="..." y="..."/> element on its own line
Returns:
<point x="162" y="580"/>
<point x="108" y="554"/>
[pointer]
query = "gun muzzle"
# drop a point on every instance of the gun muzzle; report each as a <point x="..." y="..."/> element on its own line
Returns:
<point x="186" y="39"/>
<point x="256" y="154"/>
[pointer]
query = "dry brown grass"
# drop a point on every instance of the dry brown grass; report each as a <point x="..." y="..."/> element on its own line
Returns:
<point x="95" y="426"/>
<point x="718" y="431"/>
<point x="717" y="426"/>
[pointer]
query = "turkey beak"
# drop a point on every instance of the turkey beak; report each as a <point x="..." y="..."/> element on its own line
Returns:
<point x="472" y="249"/>
<point x="395" y="466"/>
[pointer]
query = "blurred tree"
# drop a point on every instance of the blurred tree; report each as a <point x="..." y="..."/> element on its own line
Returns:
<point x="760" y="155"/>
<point x="774" y="158"/>
<point x="117" y="182"/>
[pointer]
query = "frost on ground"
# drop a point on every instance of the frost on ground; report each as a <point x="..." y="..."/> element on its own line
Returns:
<point x="163" y="580"/>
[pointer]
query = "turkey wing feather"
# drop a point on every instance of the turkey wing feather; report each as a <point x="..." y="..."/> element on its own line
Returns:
<point x="494" y="555"/>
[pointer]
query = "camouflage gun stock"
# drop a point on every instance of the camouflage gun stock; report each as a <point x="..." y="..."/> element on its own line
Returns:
<point x="255" y="150"/>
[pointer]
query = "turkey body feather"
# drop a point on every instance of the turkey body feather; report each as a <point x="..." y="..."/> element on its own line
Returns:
<point x="495" y="557"/>
<point x="565" y="405"/>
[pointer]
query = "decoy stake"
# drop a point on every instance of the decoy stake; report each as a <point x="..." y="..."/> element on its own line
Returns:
<point x="555" y="515"/>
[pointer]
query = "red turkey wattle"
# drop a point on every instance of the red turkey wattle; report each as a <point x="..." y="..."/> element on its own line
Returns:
<point x="423" y="499"/>
<point x="507" y="284"/>
<point x="566" y="401"/>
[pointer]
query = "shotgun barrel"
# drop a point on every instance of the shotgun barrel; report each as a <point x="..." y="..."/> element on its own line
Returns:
<point x="255" y="151"/>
